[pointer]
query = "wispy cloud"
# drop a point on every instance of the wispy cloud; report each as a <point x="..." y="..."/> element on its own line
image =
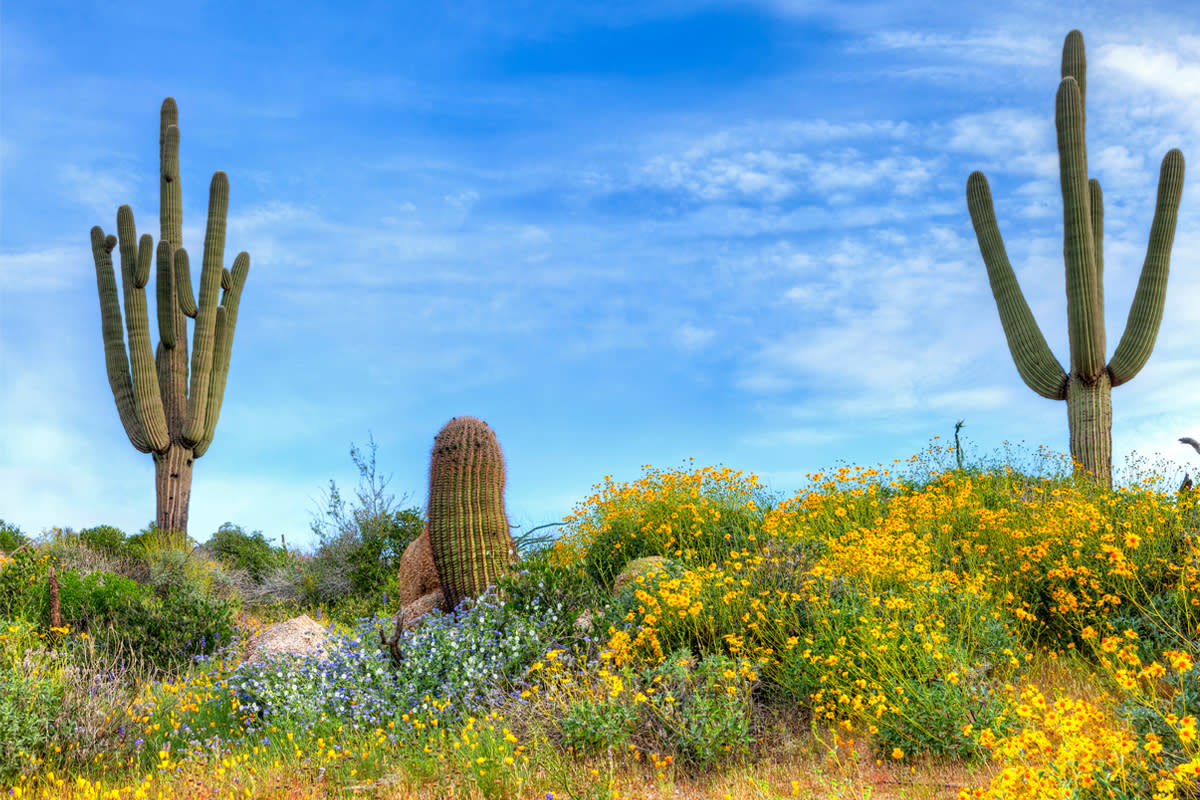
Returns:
<point x="55" y="268"/>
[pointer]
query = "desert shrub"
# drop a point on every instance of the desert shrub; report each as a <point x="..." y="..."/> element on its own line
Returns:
<point x="166" y="630"/>
<point x="175" y="563"/>
<point x="11" y="537"/>
<point x="105" y="539"/>
<point x="701" y="710"/>
<point x="183" y="625"/>
<point x="360" y="545"/>
<point x="280" y="585"/>
<point x="540" y="583"/>
<point x="94" y="602"/>
<point x="236" y="549"/>
<point x="21" y="575"/>
<point x="69" y="550"/>
<point x="381" y="545"/>
<point x="699" y="516"/>
<point x="698" y="711"/>
<point x="31" y="692"/>
<point x="594" y="724"/>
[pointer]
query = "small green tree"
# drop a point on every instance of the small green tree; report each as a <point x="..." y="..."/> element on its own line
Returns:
<point x="236" y="549"/>
<point x="360" y="545"/>
<point x="105" y="539"/>
<point x="11" y="537"/>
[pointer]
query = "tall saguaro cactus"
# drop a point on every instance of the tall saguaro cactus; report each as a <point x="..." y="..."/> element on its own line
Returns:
<point x="468" y="528"/>
<point x="1087" y="387"/>
<point x="163" y="412"/>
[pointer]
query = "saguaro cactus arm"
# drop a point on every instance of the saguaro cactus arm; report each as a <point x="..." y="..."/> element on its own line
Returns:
<point x="116" y="361"/>
<point x="206" y="315"/>
<point x="1145" y="313"/>
<point x="1085" y="317"/>
<point x="146" y="395"/>
<point x="1036" y="364"/>
<point x="226" y="321"/>
<point x="1096" y="200"/>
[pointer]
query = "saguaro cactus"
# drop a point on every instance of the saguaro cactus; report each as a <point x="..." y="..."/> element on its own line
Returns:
<point x="1087" y="387"/>
<point x="468" y="529"/>
<point x="162" y="412"/>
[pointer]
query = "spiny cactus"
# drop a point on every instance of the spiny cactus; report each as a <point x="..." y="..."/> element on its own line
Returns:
<point x="468" y="529"/>
<point x="162" y="412"/>
<point x="1087" y="387"/>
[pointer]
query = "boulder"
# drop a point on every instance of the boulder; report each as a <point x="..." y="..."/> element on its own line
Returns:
<point x="299" y="636"/>
<point x="636" y="569"/>
<point x="409" y="617"/>
<point x="418" y="575"/>
<point x="585" y="621"/>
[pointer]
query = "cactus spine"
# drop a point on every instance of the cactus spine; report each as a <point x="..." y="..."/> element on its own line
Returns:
<point x="468" y="529"/>
<point x="1087" y="387"/>
<point x="163" y="414"/>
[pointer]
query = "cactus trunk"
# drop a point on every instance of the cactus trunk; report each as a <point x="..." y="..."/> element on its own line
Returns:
<point x="1089" y="421"/>
<point x="164" y="411"/>
<point x="1087" y="385"/>
<point x="173" y="487"/>
<point x="468" y="527"/>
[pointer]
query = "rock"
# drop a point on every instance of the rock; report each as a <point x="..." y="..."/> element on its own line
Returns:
<point x="636" y="569"/>
<point x="410" y="617"/>
<point x="412" y="613"/>
<point x="418" y="574"/>
<point x="300" y="636"/>
<point x="583" y="623"/>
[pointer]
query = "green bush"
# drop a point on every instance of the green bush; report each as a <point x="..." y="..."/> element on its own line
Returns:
<point x="701" y="710"/>
<point x="616" y="546"/>
<point x="31" y="694"/>
<point x="236" y="549"/>
<point x="539" y="584"/>
<point x="11" y="537"/>
<point x="95" y="602"/>
<point x="360" y="546"/>
<point x="165" y="632"/>
<point x="21" y="577"/>
<point x="166" y="629"/>
<point x="592" y="725"/>
<point x="105" y="539"/>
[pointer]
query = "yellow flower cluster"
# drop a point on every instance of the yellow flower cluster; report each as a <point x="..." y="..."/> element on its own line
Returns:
<point x="675" y="507"/>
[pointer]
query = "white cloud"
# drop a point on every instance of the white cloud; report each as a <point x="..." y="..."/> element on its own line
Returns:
<point x="533" y="234"/>
<point x="721" y="167"/>
<point x="52" y="269"/>
<point x="690" y="337"/>
<point x="463" y="200"/>
<point x="1009" y="48"/>
<point x="1002" y="134"/>
<point x="1154" y="69"/>
<point x="102" y="192"/>
<point x="1115" y="161"/>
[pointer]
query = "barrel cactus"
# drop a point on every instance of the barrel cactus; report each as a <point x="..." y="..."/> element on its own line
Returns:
<point x="1087" y="387"/>
<point x="468" y="528"/>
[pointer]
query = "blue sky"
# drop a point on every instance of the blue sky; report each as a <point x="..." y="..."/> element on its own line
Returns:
<point x="622" y="233"/>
